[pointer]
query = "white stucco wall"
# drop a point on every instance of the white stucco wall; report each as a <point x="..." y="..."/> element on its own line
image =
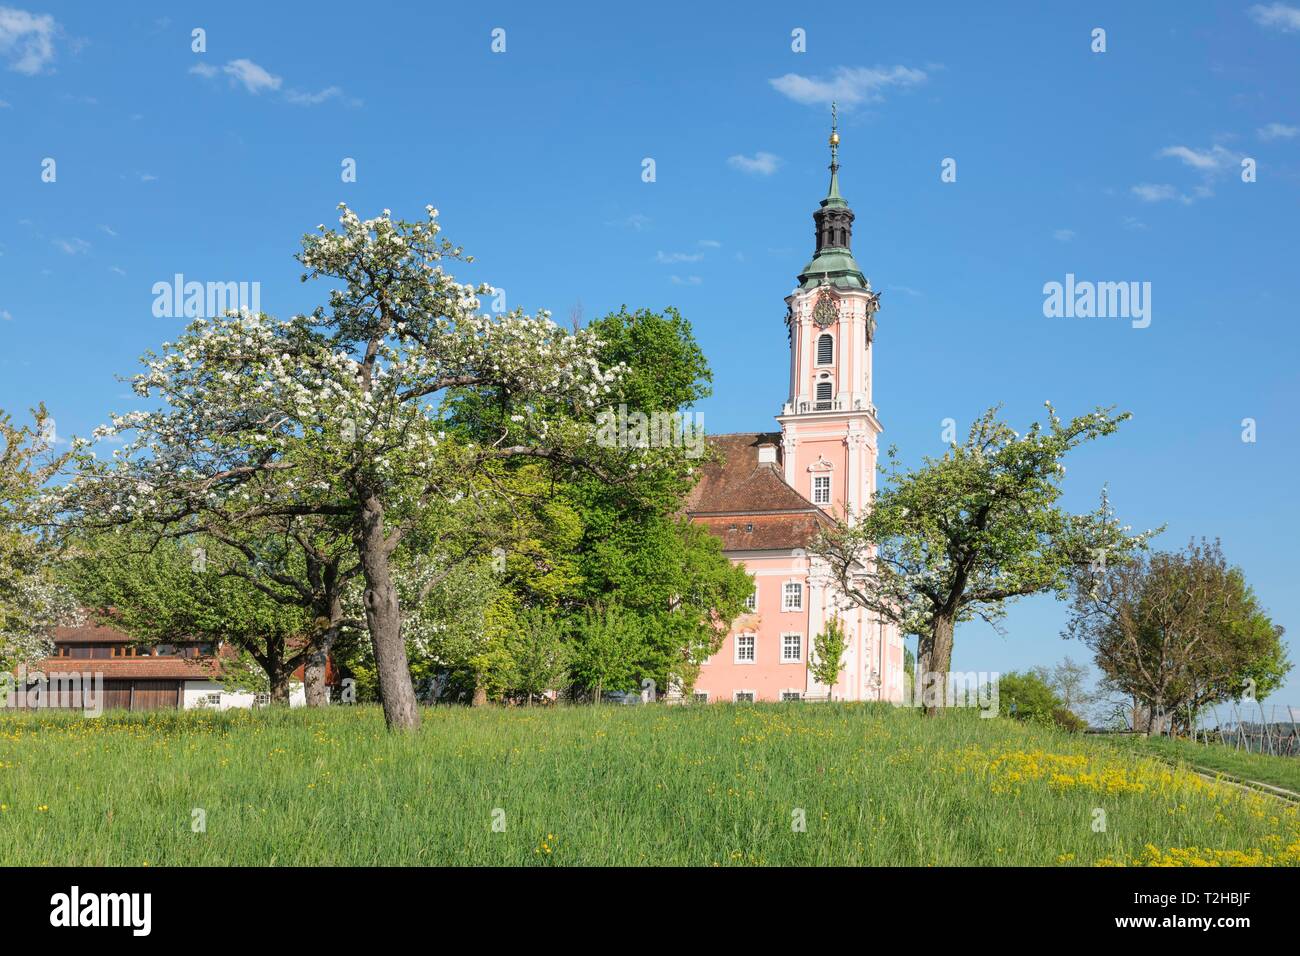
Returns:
<point x="195" y="694"/>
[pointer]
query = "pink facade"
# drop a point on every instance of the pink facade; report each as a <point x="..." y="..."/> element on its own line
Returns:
<point x="770" y="492"/>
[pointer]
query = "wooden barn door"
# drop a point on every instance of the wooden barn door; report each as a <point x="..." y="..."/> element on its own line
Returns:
<point x="156" y="695"/>
<point x="117" y="695"/>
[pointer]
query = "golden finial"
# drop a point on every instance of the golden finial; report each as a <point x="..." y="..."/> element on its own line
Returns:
<point x="835" y="136"/>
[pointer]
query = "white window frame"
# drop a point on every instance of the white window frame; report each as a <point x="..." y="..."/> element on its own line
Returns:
<point x="798" y="695"/>
<point x="786" y="604"/>
<point x="699" y="697"/>
<point x="792" y="660"/>
<point x="736" y="658"/>
<point x="751" y="602"/>
<point x="815" y="499"/>
<point x="735" y="696"/>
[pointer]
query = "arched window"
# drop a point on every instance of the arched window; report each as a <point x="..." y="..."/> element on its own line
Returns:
<point x="825" y="349"/>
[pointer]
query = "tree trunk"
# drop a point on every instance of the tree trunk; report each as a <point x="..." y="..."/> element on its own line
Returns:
<point x="279" y="689"/>
<point x="315" y="666"/>
<point x="934" y="661"/>
<point x="480" y="696"/>
<point x="384" y="620"/>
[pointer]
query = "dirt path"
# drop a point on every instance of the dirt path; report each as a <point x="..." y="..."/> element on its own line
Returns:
<point x="1241" y="783"/>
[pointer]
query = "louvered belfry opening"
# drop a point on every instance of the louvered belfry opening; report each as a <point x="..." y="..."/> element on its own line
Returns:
<point x="825" y="349"/>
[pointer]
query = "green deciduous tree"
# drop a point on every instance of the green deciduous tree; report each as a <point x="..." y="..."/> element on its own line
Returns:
<point x="1177" y="632"/>
<point x="608" y="646"/>
<point x="827" y="660"/>
<point x="159" y="590"/>
<point x="540" y="651"/>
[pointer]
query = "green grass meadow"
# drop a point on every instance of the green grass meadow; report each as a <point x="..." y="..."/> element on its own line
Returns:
<point x="1281" y="772"/>
<point x="722" y="785"/>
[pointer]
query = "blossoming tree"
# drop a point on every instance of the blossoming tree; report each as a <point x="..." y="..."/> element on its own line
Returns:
<point x="339" y="414"/>
<point x="962" y="535"/>
<point x="31" y="601"/>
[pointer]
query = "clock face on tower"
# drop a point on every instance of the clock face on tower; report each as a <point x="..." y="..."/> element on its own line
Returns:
<point x="825" y="312"/>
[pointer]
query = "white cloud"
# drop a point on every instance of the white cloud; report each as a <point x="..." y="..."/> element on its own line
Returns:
<point x="72" y="246"/>
<point x="1162" y="192"/>
<point x="847" y="85"/>
<point x="1152" y="192"/>
<point x="254" y="78"/>
<point x="298" y="98"/>
<point x="1133" y="222"/>
<point x="760" y="164"/>
<point x="688" y="280"/>
<point x="1063" y="235"/>
<point x="1207" y="160"/>
<point x="1210" y="163"/>
<point x="670" y="257"/>
<point x="5" y="316"/>
<point x="710" y="244"/>
<point x="26" y="40"/>
<point x="118" y="269"/>
<point x="1286" y="19"/>
<point x="3" y="105"/>
<point x="1277" y="131"/>
<point x="245" y="73"/>
<point x="108" y="230"/>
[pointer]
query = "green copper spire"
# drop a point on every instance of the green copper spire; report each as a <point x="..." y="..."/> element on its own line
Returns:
<point x="833" y="197"/>
<point x="833" y="263"/>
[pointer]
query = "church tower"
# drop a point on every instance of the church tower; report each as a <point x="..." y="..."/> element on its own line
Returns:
<point x="829" y="428"/>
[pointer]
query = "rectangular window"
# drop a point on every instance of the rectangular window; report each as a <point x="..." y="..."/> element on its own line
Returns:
<point x="751" y="602"/>
<point x="743" y="697"/>
<point x="791" y="695"/>
<point x="792" y="596"/>
<point x="791" y="648"/>
<point x="746" y="648"/>
<point x="821" y="489"/>
<point x="700" y="697"/>
<point x="213" y="700"/>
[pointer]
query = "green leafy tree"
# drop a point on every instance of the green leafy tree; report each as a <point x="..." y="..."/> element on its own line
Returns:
<point x="173" y="589"/>
<point x="962" y="535"/>
<point x="607" y="650"/>
<point x="541" y="652"/>
<point x="665" y="368"/>
<point x="1176" y="632"/>
<point x="1029" y="695"/>
<point x="828" y="655"/>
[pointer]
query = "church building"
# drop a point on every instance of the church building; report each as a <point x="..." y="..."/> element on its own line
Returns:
<point x="767" y="493"/>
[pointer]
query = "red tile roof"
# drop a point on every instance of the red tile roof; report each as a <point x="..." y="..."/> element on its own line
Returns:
<point x="151" y="668"/>
<point x="747" y="502"/>
<point x="90" y="633"/>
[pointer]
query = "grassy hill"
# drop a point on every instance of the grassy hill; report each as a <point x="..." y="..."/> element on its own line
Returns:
<point x="706" y="785"/>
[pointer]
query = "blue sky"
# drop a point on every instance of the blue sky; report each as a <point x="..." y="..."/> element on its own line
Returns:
<point x="1114" y="166"/>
